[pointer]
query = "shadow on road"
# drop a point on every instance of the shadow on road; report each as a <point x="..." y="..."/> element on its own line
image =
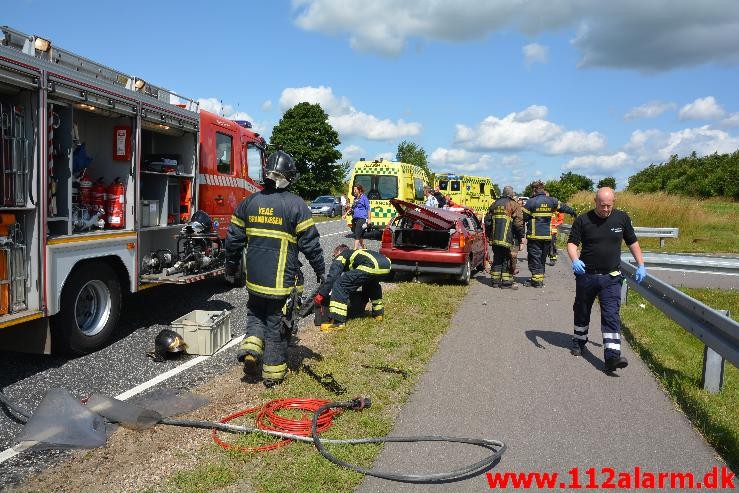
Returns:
<point x="564" y="341"/>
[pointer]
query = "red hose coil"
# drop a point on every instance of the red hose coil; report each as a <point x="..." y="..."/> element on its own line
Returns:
<point x="268" y="419"/>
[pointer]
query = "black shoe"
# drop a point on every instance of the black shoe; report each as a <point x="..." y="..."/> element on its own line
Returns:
<point x="536" y="284"/>
<point x="612" y="364"/>
<point x="496" y="284"/>
<point x="508" y="285"/>
<point x="577" y="349"/>
<point x="271" y="383"/>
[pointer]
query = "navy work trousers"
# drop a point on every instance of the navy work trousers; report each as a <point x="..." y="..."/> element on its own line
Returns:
<point x="607" y="288"/>
<point x="263" y="321"/>
<point x="537" y="251"/>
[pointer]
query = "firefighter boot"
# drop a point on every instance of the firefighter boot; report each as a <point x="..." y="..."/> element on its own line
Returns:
<point x="251" y="365"/>
<point x="612" y="364"/>
<point x="333" y="326"/>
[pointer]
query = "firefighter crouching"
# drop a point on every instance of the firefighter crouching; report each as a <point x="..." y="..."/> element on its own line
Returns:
<point x="504" y="226"/>
<point x="349" y="271"/>
<point x="271" y="226"/>
<point x="537" y="213"/>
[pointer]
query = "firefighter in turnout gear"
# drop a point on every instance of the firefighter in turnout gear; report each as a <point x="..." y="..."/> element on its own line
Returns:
<point x="351" y="270"/>
<point x="537" y="213"/>
<point x="269" y="228"/>
<point x="504" y="227"/>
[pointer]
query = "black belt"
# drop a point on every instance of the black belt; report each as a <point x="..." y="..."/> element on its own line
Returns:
<point x="601" y="272"/>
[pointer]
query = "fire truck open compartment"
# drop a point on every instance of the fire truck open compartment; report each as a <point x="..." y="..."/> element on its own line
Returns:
<point x="82" y="146"/>
<point x="19" y="234"/>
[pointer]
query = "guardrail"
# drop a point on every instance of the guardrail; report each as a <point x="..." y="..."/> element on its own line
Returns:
<point x="641" y="232"/>
<point x="719" y="333"/>
<point x="708" y="264"/>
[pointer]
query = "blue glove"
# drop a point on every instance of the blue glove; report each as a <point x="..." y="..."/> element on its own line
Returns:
<point x="641" y="273"/>
<point x="578" y="267"/>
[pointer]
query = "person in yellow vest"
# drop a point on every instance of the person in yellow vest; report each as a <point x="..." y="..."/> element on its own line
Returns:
<point x="557" y="219"/>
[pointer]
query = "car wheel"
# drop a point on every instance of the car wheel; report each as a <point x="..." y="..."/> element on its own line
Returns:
<point x="466" y="275"/>
<point x="332" y="212"/>
<point x="90" y="307"/>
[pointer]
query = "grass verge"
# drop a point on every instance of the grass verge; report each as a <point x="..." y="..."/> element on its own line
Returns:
<point x="417" y="315"/>
<point x="705" y="225"/>
<point x="676" y="358"/>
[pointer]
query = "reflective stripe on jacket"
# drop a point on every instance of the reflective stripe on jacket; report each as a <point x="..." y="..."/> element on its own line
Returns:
<point x="271" y="227"/>
<point x="538" y="215"/>
<point x="504" y="222"/>
<point x="364" y="260"/>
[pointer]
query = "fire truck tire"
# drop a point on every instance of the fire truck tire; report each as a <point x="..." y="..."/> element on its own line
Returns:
<point x="90" y="307"/>
<point x="466" y="275"/>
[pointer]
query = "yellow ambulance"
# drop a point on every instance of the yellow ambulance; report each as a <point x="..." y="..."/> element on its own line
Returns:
<point x="384" y="180"/>
<point x="475" y="192"/>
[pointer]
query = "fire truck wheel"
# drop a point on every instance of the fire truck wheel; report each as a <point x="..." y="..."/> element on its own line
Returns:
<point x="90" y="307"/>
<point x="464" y="278"/>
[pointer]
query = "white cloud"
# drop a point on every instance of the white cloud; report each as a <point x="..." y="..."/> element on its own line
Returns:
<point x="526" y="130"/>
<point x="702" y="109"/>
<point x="267" y="105"/>
<point x="731" y="121"/>
<point x="345" y="118"/>
<point x="652" y="36"/>
<point x="227" y="111"/>
<point x="444" y="160"/>
<point x="352" y="152"/>
<point x="535" y="53"/>
<point x="599" y="163"/>
<point x="655" y="146"/>
<point x="387" y="156"/>
<point x="652" y="109"/>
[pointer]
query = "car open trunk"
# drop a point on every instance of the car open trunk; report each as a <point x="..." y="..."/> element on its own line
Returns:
<point x="425" y="227"/>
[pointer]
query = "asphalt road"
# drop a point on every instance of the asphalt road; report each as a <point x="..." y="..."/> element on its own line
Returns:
<point x="123" y="365"/>
<point x="504" y="371"/>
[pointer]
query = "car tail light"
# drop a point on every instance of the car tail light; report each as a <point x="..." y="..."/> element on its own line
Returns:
<point x="457" y="240"/>
<point x="387" y="236"/>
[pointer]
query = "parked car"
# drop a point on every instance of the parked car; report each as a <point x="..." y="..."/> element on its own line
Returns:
<point x="326" y="205"/>
<point x="422" y="239"/>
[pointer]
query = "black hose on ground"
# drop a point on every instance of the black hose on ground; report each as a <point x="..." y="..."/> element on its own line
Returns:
<point x="456" y="475"/>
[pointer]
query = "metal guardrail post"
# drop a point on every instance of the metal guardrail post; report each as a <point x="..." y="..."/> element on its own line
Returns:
<point x="712" y="376"/>
<point x="713" y="328"/>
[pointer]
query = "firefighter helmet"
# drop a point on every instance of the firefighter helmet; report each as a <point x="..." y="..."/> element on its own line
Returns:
<point x="281" y="163"/>
<point x="167" y="341"/>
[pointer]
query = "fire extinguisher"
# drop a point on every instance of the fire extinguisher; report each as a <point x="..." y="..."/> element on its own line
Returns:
<point x="116" y="204"/>
<point x="98" y="197"/>
<point x="85" y="190"/>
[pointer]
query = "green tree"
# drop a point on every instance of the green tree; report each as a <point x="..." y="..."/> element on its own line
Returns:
<point x="411" y="153"/>
<point x="305" y="133"/>
<point x="608" y="181"/>
<point x="579" y="182"/>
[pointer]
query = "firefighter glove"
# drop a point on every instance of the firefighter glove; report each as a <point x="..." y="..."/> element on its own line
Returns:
<point x="578" y="267"/>
<point x="318" y="299"/>
<point x="641" y="273"/>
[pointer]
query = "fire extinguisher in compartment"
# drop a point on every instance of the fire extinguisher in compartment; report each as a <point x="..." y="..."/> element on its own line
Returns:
<point x="116" y="204"/>
<point x="98" y="197"/>
<point x="85" y="190"/>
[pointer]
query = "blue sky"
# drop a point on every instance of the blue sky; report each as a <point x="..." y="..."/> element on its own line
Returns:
<point x="511" y="89"/>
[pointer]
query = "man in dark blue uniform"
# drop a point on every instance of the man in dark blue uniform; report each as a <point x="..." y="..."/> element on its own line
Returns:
<point x="351" y="270"/>
<point x="504" y="227"/>
<point x="271" y="226"/>
<point x="537" y="214"/>
<point x="597" y="274"/>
